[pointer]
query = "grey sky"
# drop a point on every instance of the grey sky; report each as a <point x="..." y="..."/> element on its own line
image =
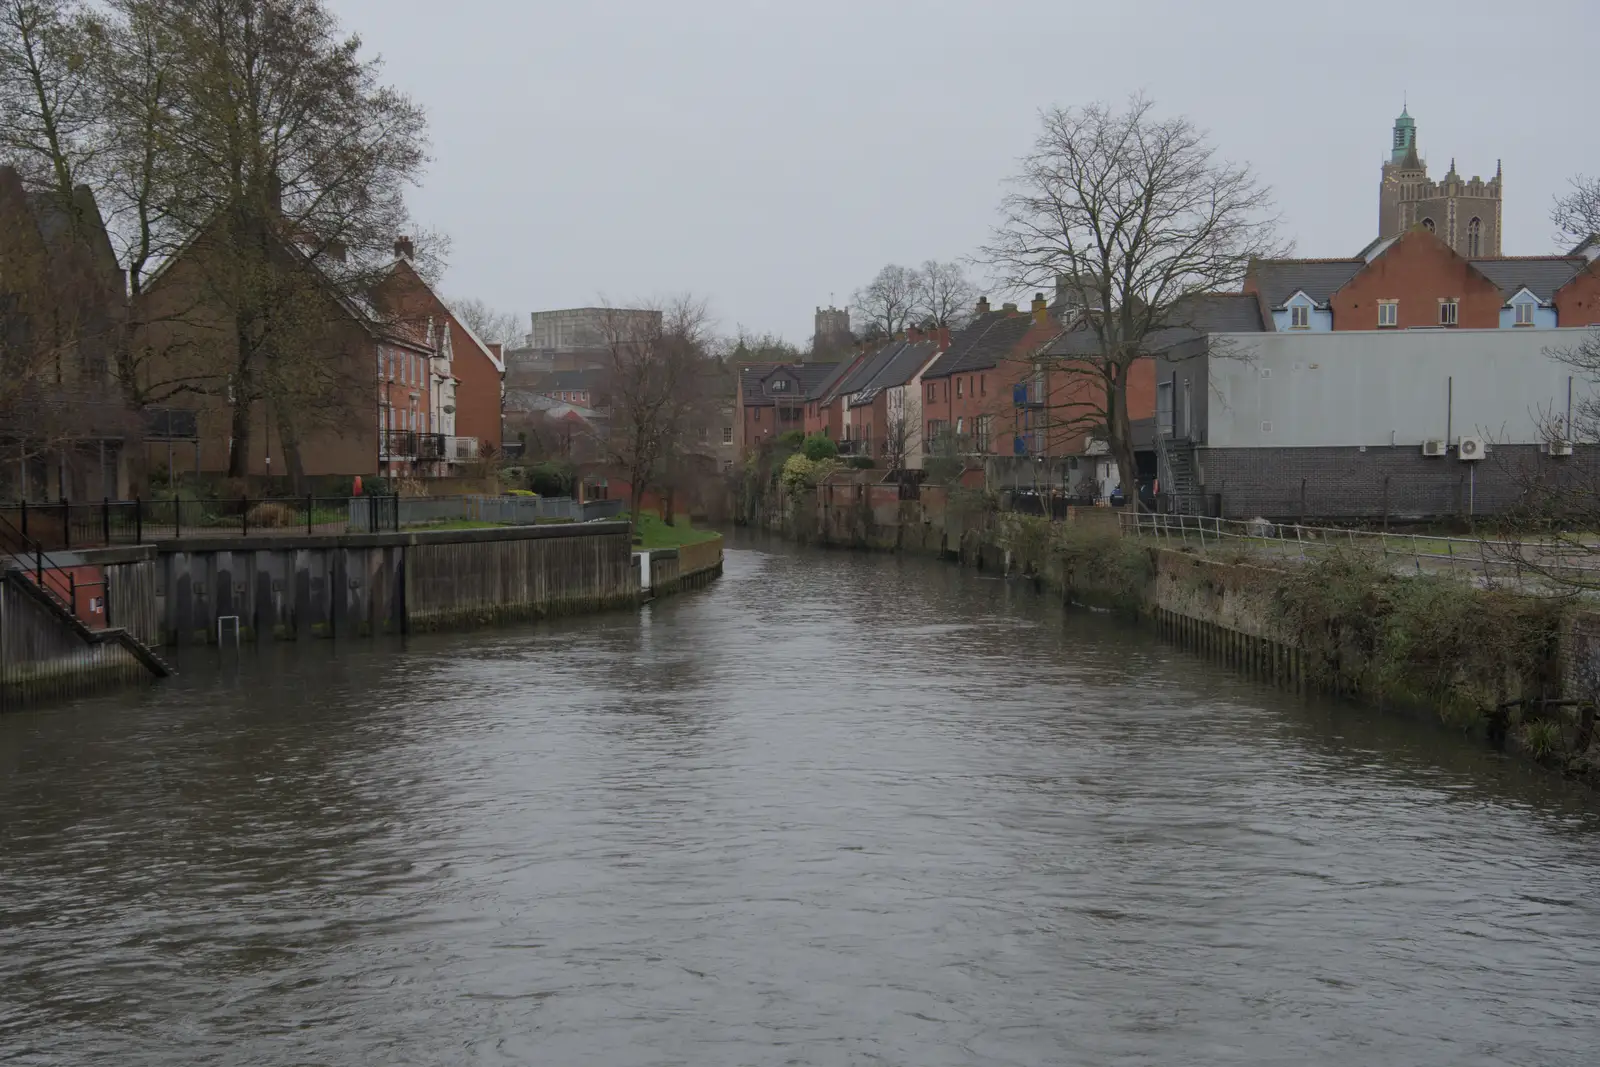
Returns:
<point x="765" y="155"/>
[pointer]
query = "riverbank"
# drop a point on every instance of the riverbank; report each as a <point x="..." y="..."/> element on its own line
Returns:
<point x="288" y="587"/>
<point x="1522" y="672"/>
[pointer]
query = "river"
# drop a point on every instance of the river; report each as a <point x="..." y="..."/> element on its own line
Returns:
<point x="836" y="809"/>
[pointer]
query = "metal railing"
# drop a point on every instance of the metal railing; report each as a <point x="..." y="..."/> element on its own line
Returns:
<point x="1562" y="561"/>
<point x="57" y="580"/>
<point x="67" y="526"/>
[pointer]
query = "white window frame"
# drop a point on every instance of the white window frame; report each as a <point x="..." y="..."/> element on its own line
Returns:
<point x="1299" y="317"/>
<point x="1524" y="312"/>
<point x="727" y="435"/>
<point x="1388" y="313"/>
<point x="1449" y="312"/>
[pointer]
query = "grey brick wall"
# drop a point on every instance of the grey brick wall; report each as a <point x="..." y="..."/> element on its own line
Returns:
<point x="1347" y="483"/>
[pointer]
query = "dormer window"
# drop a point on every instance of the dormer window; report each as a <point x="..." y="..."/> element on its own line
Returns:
<point x="778" y="385"/>
<point x="1299" y="317"/>
<point x="1525" y="313"/>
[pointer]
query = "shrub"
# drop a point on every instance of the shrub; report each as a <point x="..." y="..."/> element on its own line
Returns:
<point x="861" y="463"/>
<point x="792" y="439"/>
<point x="819" y="446"/>
<point x="272" y="514"/>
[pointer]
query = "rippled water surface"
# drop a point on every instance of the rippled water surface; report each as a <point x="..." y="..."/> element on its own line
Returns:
<point x="838" y="809"/>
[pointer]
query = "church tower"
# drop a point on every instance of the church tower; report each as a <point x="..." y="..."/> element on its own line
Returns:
<point x="1465" y="214"/>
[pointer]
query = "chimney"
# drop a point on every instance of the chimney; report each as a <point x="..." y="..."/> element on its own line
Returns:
<point x="1041" y="310"/>
<point x="900" y="335"/>
<point x="1009" y="308"/>
<point x="983" y="305"/>
<point x="943" y="337"/>
<point x="403" y="248"/>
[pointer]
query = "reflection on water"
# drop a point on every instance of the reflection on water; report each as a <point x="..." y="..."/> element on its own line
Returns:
<point x="837" y="809"/>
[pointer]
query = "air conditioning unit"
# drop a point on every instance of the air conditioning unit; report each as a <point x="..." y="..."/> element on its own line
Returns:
<point x="1469" y="447"/>
<point x="1561" y="448"/>
<point x="1434" y="447"/>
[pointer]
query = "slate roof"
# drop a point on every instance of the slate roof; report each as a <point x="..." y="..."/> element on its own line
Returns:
<point x="563" y="381"/>
<point x="1190" y="318"/>
<point x="870" y="368"/>
<point x="811" y="379"/>
<point x="982" y="343"/>
<point x="1541" y="275"/>
<point x="1279" y="279"/>
<point x="905" y="358"/>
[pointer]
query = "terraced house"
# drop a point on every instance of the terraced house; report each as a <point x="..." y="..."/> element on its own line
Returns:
<point x="1407" y="382"/>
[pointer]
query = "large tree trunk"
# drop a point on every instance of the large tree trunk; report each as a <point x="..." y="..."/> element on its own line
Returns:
<point x="1120" y="435"/>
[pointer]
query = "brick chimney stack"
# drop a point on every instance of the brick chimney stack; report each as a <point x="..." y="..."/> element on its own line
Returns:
<point x="983" y="305"/>
<point x="403" y="248"/>
<point x="1041" y="309"/>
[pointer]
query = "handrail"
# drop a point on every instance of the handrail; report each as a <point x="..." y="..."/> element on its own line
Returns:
<point x="33" y="551"/>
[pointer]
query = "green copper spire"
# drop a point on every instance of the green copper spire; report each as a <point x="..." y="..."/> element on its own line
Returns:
<point x="1405" y="136"/>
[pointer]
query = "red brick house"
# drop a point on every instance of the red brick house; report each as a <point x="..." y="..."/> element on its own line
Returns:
<point x="773" y="398"/>
<point x="1417" y="281"/>
<point x="968" y="393"/>
<point x="465" y="386"/>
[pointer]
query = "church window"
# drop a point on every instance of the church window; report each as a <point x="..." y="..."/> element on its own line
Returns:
<point x="1299" y="317"/>
<point x="1475" y="237"/>
<point x="1388" y="313"/>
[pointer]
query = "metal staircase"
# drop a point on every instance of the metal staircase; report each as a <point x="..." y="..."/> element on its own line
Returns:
<point x="27" y="568"/>
<point x="1179" y="480"/>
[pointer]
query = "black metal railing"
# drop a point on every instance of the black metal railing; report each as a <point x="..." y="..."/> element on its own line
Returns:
<point x="58" y="581"/>
<point x="412" y="444"/>
<point x="66" y="526"/>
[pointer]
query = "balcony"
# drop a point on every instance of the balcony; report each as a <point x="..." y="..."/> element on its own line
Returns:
<point x="411" y="444"/>
<point x="460" y="448"/>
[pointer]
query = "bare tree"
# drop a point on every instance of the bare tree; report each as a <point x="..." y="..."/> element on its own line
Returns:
<point x="654" y="379"/>
<point x="490" y="325"/>
<point x="1576" y="213"/>
<point x="885" y="305"/>
<point x="1137" y="214"/>
<point x="944" y="294"/>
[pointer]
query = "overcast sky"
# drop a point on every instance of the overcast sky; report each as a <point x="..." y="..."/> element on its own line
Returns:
<point x="768" y="155"/>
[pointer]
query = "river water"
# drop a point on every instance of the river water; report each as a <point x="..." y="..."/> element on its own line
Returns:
<point x="837" y="809"/>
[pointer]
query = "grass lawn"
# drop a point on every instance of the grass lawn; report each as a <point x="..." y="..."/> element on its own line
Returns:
<point x="653" y="533"/>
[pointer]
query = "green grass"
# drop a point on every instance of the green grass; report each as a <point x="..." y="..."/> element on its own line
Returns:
<point x="653" y="533"/>
<point x="455" y="524"/>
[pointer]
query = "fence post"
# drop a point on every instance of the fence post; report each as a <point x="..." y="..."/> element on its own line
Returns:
<point x="138" y="521"/>
<point x="310" y="506"/>
<point x="24" y="516"/>
<point x="66" y="524"/>
<point x="72" y="594"/>
<point x="38" y="564"/>
<point x="244" y="517"/>
<point x="105" y="595"/>
<point x="177" y="517"/>
<point x="105" y="519"/>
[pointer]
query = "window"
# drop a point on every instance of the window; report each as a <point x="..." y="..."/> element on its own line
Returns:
<point x="983" y="385"/>
<point x="1388" y="313"/>
<point x="980" y="430"/>
<point x="1299" y="317"/>
<point x="933" y="391"/>
<point x="1475" y="237"/>
<point x="1525" y="313"/>
<point x="757" y="416"/>
<point x="1447" y="312"/>
<point x="959" y="389"/>
<point x="778" y="385"/>
<point x="961" y="426"/>
<point x="727" y="435"/>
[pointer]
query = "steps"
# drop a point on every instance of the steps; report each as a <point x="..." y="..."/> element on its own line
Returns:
<point x="1178" y="476"/>
<point x="43" y="596"/>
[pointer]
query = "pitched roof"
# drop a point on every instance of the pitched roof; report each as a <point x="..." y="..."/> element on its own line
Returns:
<point x="862" y="376"/>
<point x="563" y="381"/>
<point x="1189" y="318"/>
<point x="811" y="379"/>
<point x="1540" y="275"/>
<point x="1279" y="279"/>
<point x="982" y="343"/>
